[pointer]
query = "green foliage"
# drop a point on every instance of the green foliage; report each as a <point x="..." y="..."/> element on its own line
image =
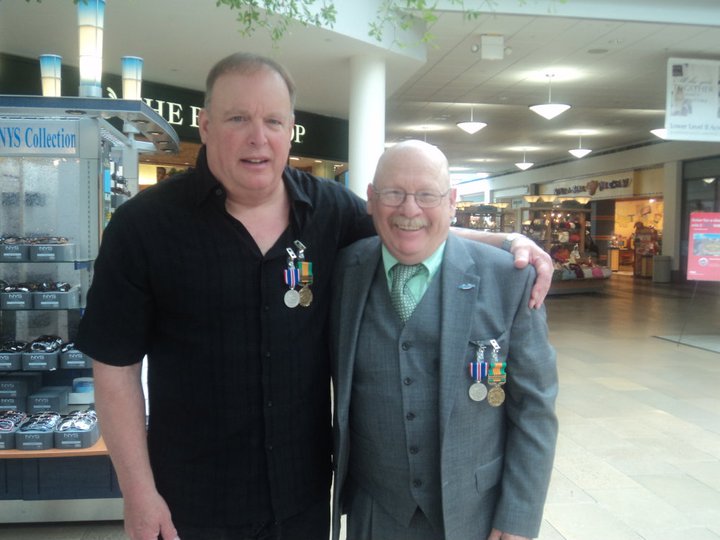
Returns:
<point x="276" y="16"/>
<point x="404" y="14"/>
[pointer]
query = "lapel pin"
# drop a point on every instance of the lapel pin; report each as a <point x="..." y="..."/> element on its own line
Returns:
<point x="466" y="286"/>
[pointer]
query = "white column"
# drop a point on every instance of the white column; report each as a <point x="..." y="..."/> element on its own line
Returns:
<point x="672" y="210"/>
<point x="366" y="121"/>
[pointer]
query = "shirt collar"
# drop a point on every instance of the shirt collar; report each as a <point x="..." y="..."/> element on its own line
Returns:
<point x="208" y="185"/>
<point x="431" y="264"/>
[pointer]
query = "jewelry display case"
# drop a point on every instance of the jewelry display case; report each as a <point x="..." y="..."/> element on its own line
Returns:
<point x="61" y="177"/>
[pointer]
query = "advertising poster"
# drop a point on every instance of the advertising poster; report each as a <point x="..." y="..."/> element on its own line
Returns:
<point x="704" y="246"/>
<point x="692" y="111"/>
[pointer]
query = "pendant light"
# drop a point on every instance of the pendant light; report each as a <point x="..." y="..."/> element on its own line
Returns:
<point x="580" y="152"/>
<point x="471" y="126"/>
<point x="549" y="110"/>
<point x="524" y="165"/>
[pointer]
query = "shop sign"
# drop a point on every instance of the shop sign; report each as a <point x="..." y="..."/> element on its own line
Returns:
<point x="601" y="187"/>
<point x="704" y="246"/>
<point x="692" y="109"/>
<point x="23" y="137"/>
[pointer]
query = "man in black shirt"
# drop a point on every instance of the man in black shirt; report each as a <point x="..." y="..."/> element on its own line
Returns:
<point x="220" y="276"/>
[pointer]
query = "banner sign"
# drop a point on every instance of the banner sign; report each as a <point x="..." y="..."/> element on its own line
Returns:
<point x="692" y="110"/>
<point x="704" y="246"/>
<point x="28" y="137"/>
<point x="609" y="186"/>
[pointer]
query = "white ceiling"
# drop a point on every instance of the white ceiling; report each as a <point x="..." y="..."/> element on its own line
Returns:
<point x="611" y="71"/>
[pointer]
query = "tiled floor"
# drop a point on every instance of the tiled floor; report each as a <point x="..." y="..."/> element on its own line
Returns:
<point x="639" y="448"/>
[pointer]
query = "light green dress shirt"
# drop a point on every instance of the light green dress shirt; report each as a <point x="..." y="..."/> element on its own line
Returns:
<point x="418" y="284"/>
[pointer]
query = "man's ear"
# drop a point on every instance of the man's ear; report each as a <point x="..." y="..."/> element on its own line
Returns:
<point x="453" y="201"/>
<point x="202" y="124"/>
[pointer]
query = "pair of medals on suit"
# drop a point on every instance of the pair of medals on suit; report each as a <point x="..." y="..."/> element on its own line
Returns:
<point x="488" y="377"/>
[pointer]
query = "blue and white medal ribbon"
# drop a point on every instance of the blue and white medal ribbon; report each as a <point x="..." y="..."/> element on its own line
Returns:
<point x="478" y="371"/>
<point x="292" y="278"/>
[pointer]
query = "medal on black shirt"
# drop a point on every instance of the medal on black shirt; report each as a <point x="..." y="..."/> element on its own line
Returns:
<point x="292" y="277"/>
<point x="478" y="371"/>
<point x="306" y="278"/>
<point x="306" y="275"/>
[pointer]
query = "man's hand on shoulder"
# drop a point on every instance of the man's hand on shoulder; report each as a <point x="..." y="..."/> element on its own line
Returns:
<point x="527" y="252"/>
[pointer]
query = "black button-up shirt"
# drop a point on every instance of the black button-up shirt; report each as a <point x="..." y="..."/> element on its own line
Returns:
<point x="239" y="428"/>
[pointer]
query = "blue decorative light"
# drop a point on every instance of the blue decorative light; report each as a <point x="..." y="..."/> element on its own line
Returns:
<point x="91" y="19"/>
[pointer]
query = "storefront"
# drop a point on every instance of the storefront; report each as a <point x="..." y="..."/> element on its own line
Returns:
<point x="319" y="145"/>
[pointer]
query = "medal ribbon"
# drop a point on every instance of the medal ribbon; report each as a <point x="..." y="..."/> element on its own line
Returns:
<point x="478" y="370"/>
<point x="497" y="369"/>
<point x="292" y="277"/>
<point x="306" y="273"/>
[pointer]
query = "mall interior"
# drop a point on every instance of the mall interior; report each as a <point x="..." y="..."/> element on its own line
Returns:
<point x="632" y="225"/>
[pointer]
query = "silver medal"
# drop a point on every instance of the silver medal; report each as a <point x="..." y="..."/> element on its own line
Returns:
<point x="478" y="391"/>
<point x="292" y="298"/>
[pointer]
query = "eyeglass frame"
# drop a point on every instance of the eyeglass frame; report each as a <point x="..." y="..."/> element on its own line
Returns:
<point x="384" y="192"/>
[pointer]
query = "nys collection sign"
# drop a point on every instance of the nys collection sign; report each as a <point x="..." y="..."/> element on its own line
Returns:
<point x="28" y="137"/>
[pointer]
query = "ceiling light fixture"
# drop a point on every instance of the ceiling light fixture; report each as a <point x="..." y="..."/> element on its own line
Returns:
<point x="549" y="110"/>
<point x="580" y="152"/>
<point x="524" y="165"/>
<point x="471" y="126"/>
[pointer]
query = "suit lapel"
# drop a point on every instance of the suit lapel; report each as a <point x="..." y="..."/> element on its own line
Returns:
<point x="460" y="283"/>
<point x="356" y="282"/>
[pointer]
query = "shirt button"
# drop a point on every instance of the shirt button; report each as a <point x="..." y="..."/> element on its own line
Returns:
<point x="406" y="345"/>
<point x="218" y="191"/>
<point x="269" y="447"/>
<point x="269" y="403"/>
<point x="417" y="483"/>
<point x="410" y="416"/>
<point x="267" y="355"/>
<point x="407" y="381"/>
<point x="414" y="449"/>
<point x="266" y="307"/>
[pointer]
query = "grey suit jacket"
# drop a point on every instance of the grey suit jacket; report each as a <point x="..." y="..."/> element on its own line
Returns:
<point x="495" y="461"/>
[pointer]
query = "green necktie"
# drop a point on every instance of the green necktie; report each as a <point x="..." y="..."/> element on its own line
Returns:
<point x="401" y="298"/>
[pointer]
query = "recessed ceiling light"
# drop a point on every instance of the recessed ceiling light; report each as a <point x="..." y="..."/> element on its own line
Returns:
<point x="597" y="51"/>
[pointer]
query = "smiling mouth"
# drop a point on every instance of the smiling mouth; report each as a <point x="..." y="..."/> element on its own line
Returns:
<point x="409" y="226"/>
<point x="255" y="161"/>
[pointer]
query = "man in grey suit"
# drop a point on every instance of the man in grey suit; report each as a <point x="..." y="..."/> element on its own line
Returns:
<point x="444" y="380"/>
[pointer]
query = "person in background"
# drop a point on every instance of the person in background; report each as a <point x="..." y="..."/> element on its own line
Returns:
<point x="220" y="276"/>
<point x="160" y="174"/>
<point x="444" y="379"/>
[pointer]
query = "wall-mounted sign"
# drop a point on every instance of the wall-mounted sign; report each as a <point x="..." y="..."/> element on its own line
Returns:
<point x="692" y="110"/>
<point x="23" y="137"/>
<point x="704" y="246"/>
<point x="602" y="187"/>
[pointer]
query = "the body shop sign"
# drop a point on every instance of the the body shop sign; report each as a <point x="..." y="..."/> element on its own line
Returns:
<point x="41" y="137"/>
<point x="704" y="247"/>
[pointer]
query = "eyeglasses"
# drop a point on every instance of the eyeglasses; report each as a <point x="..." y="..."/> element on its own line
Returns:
<point x="395" y="197"/>
<point x="46" y="344"/>
<point x="9" y="420"/>
<point x="78" y="421"/>
<point x="42" y="422"/>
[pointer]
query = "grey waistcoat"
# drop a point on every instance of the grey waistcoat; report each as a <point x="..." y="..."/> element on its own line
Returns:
<point x="394" y="441"/>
